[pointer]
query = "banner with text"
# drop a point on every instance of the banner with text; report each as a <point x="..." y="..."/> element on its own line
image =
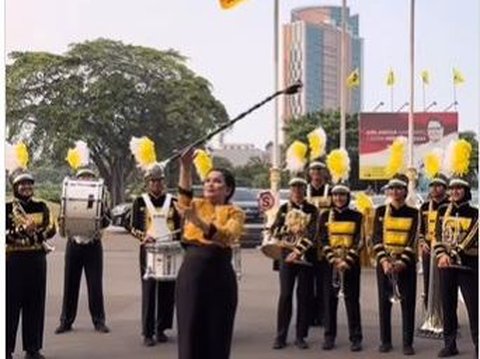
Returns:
<point x="377" y="131"/>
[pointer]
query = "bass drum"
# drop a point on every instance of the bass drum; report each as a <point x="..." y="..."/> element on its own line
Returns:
<point x="81" y="207"/>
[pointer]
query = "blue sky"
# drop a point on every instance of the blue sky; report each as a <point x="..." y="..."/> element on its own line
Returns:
<point x="234" y="49"/>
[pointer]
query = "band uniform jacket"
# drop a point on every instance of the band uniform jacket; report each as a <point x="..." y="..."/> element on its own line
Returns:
<point x="395" y="232"/>
<point x="16" y="237"/>
<point x="429" y="212"/>
<point x="279" y="226"/>
<point x="140" y="220"/>
<point x="458" y="220"/>
<point x="340" y="233"/>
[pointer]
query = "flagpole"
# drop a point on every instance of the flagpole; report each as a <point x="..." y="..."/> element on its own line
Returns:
<point x="454" y="96"/>
<point x="412" y="172"/>
<point x="275" y="173"/>
<point x="423" y="95"/>
<point x="343" y="51"/>
<point x="391" y="98"/>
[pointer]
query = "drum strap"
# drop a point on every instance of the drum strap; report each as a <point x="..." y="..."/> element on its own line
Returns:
<point x="161" y="215"/>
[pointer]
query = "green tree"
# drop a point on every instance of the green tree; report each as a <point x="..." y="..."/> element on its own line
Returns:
<point x="104" y="92"/>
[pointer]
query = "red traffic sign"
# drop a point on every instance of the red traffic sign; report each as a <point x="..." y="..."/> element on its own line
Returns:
<point x="266" y="200"/>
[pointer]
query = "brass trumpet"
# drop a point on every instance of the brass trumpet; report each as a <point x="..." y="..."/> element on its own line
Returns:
<point x="338" y="276"/>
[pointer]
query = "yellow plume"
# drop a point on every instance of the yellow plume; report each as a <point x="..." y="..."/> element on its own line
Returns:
<point x="338" y="164"/>
<point x="296" y="156"/>
<point x="203" y="163"/>
<point x="363" y="202"/>
<point x="143" y="149"/>
<point x="317" y="140"/>
<point x="22" y="154"/>
<point x="432" y="162"/>
<point x="457" y="157"/>
<point x="396" y="162"/>
<point x="16" y="156"/>
<point x="78" y="156"/>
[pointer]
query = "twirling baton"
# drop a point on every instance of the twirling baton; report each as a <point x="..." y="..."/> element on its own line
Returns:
<point x="290" y="90"/>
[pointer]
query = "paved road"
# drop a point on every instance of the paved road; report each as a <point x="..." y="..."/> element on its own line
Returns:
<point x="255" y="321"/>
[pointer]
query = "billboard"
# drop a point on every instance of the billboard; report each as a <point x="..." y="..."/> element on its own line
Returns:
<point x="377" y="131"/>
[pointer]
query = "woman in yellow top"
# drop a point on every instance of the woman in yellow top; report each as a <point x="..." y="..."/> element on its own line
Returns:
<point x="206" y="292"/>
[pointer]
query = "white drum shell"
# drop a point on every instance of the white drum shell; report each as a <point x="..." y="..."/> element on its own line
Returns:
<point x="81" y="207"/>
<point x="163" y="260"/>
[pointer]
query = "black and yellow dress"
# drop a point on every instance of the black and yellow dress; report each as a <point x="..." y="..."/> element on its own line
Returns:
<point x="428" y="212"/>
<point x="394" y="237"/>
<point x="340" y="233"/>
<point x="26" y="272"/>
<point x="206" y="292"/>
<point x="458" y="220"/>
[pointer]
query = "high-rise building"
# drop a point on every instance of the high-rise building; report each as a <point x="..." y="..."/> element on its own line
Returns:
<point x="312" y="53"/>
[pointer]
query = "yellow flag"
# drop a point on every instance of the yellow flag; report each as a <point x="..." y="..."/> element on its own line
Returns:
<point x="353" y="80"/>
<point x="458" y="78"/>
<point x="228" y="4"/>
<point x="425" y="77"/>
<point x="390" y="78"/>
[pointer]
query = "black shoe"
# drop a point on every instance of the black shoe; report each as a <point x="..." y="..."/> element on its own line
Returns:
<point x="279" y="344"/>
<point x="447" y="352"/>
<point x="148" y="342"/>
<point x="385" y="348"/>
<point x="328" y="345"/>
<point x="356" y="347"/>
<point x="34" y="355"/>
<point x="408" y="350"/>
<point x="300" y="343"/>
<point x="102" y="328"/>
<point x="63" y="328"/>
<point x="162" y="338"/>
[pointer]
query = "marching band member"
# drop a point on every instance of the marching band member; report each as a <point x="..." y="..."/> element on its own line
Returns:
<point x="428" y="211"/>
<point x="457" y="251"/>
<point x="28" y="226"/>
<point x="207" y="291"/>
<point x="340" y="231"/>
<point x="318" y="194"/>
<point x="394" y="235"/>
<point x="290" y="270"/>
<point x="158" y="297"/>
<point x="83" y="254"/>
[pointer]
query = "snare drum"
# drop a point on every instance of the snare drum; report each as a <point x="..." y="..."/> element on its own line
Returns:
<point x="271" y="246"/>
<point x="237" y="260"/>
<point x="163" y="260"/>
<point x="81" y="207"/>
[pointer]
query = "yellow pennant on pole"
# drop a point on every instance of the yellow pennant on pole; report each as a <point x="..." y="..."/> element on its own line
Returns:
<point x="229" y="4"/>
<point x="353" y="80"/>
<point x="425" y="77"/>
<point x="390" y="78"/>
<point x="458" y="78"/>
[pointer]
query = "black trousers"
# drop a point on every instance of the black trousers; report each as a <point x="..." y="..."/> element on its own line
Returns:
<point x="317" y="306"/>
<point x="450" y="280"/>
<point x="79" y="258"/>
<point x="158" y="302"/>
<point x="407" y="286"/>
<point x="351" y="288"/>
<point x="206" y="298"/>
<point x="426" y="276"/>
<point x="288" y="274"/>
<point x="26" y="282"/>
